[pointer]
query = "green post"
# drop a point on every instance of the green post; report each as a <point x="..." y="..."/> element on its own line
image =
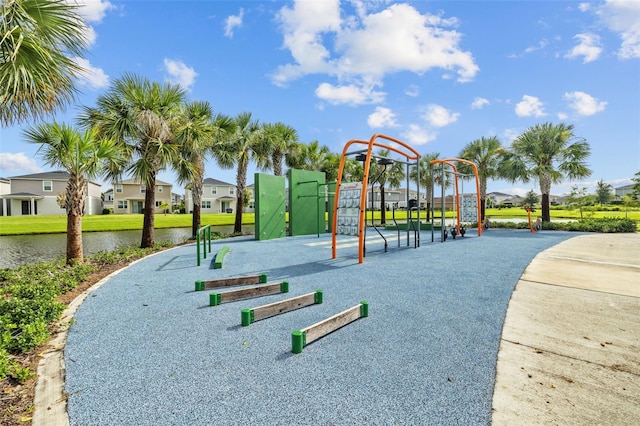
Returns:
<point x="297" y="341"/>
<point x="364" y="309"/>
<point x="199" y="284"/>
<point x="246" y="317"/>
<point x="215" y="299"/>
<point x="209" y="234"/>
<point x="284" y="287"/>
<point x="317" y="298"/>
<point x="262" y="278"/>
<point x="198" y="246"/>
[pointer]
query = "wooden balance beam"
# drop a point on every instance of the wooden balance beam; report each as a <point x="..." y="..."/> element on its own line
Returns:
<point x="247" y="316"/>
<point x="301" y="338"/>
<point x="230" y="282"/>
<point x="229" y="296"/>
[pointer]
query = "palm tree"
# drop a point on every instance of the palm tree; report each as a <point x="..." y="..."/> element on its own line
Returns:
<point x="38" y="41"/>
<point x="427" y="177"/>
<point x="313" y="156"/>
<point x="393" y="175"/>
<point x="280" y="140"/>
<point x="85" y="157"/>
<point x="547" y="153"/>
<point x="330" y="166"/>
<point x="485" y="153"/>
<point x="242" y="146"/>
<point x="137" y="113"/>
<point x="197" y="132"/>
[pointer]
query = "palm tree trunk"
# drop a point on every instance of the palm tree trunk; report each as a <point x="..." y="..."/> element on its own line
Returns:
<point x="241" y="180"/>
<point x="148" y="224"/>
<point x="545" y="189"/>
<point x="276" y="159"/>
<point x="74" y="239"/>
<point x="75" y="207"/>
<point x="196" y="192"/>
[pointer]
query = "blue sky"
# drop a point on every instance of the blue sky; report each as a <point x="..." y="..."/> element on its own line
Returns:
<point x="435" y="74"/>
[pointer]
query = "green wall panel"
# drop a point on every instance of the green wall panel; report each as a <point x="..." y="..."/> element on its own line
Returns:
<point x="270" y="206"/>
<point x="306" y="202"/>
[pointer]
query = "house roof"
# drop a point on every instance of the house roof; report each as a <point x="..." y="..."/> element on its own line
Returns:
<point x="22" y="195"/>
<point x="56" y="175"/>
<point x="211" y="181"/>
<point x="630" y="186"/>
<point x="137" y="182"/>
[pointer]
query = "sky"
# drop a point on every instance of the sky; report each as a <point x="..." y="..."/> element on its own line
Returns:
<point x="434" y="74"/>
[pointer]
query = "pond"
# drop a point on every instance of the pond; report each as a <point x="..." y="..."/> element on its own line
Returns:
<point x="16" y="250"/>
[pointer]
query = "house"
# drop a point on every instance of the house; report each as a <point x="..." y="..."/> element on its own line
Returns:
<point x="621" y="191"/>
<point x="5" y="189"/>
<point x="37" y="194"/>
<point x="393" y="197"/>
<point x="128" y="196"/>
<point x="107" y="199"/>
<point x="217" y="197"/>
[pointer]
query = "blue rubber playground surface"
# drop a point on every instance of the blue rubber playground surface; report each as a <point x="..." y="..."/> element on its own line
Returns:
<point x="147" y="349"/>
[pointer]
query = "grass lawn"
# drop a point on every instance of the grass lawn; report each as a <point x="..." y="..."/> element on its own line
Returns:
<point x="17" y="225"/>
<point x="22" y="225"/>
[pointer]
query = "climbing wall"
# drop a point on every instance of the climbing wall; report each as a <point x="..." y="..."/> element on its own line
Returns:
<point x="270" y="206"/>
<point x="306" y="202"/>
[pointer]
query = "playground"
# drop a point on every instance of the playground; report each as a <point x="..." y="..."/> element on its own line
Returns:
<point x="146" y="348"/>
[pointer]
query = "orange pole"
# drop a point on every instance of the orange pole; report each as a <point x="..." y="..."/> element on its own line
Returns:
<point x="363" y="196"/>
<point x="475" y="172"/>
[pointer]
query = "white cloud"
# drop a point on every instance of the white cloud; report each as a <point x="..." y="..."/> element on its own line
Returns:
<point x="479" y="102"/>
<point x="541" y="45"/>
<point x="382" y="117"/>
<point x="232" y="22"/>
<point x="583" y="7"/>
<point x="439" y="116"/>
<point x="416" y="135"/>
<point x="588" y="47"/>
<point x="621" y="17"/>
<point x="90" y="36"/>
<point x="583" y="103"/>
<point x="365" y="47"/>
<point x="18" y="162"/>
<point x="563" y="116"/>
<point x="179" y="73"/>
<point x="93" y="10"/>
<point x="348" y="94"/>
<point x="530" y="106"/>
<point x="412" y="91"/>
<point x="510" y="134"/>
<point x="92" y="76"/>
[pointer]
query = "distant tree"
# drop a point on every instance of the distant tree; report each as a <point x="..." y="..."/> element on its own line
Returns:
<point x="330" y="167"/>
<point x="547" y="153"/>
<point x="84" y="156"/>
<point x="138" y="113"/>
<point x="281" y="141"/>
<point x="579" y="199"/>
<point x="485" y="153"/>
<point x="242" y="146"/>
<point x="530" y="200"/>
<point x="604" y="192"/>
<point x="636" y="185"/>
<point x="392" y="174"/>
<point x="38" y="42"/>
<point x="198" y="133"/>
<point x="428" y="177"/>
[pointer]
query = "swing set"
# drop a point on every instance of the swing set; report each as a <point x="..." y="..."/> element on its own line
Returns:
<point x="458" y="228"/>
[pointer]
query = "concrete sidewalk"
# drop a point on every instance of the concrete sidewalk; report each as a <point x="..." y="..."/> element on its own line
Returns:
<point x="570" y="347"/>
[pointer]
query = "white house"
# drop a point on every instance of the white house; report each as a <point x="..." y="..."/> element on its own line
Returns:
<point x="37" y="194"/>
<point x="217" y="197"/>
<point x="129" y="196"/>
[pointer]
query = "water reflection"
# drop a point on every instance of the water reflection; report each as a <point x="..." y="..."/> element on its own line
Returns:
<point x="16" y="250"/>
